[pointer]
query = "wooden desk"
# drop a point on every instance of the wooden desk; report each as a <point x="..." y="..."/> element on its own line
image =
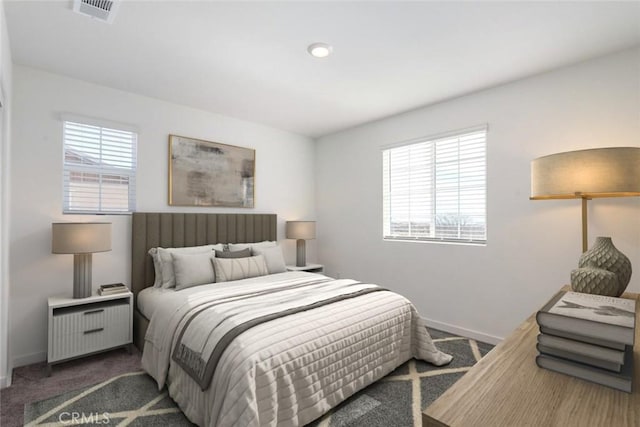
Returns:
<point x="506" y="388"/>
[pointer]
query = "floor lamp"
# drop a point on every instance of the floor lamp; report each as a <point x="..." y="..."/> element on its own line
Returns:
<point x="586" y="175"/>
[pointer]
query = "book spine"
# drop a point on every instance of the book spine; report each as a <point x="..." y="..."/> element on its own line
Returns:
<point x="110" y="292"/>
<point x="608" y="322"/>
<point x="582" y="338"/>
<point x="113" y="286"/>
<point x="603" y="364"/>
<point x="582" y="348"/>
<point x="584" y="372"/>
<point x="600" y="331"/>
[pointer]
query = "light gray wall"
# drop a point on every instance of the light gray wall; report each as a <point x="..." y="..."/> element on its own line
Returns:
<point x="485" y="291"/>
<point x="6" y="65"/>
<point x="284" y="185"/>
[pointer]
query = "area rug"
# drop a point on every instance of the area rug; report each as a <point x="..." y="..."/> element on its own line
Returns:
<point x="133" y="399"/>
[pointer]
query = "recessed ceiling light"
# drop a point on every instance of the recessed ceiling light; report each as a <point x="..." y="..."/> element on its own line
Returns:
<point x="319" y="50"/>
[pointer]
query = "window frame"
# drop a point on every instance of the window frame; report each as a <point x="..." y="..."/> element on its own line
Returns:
<point x="100" y="170"/>
<point x="484" y="128"/>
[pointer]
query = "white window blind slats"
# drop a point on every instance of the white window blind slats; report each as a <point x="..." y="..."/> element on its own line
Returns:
<point x="436" y="189"/>
<point x="99" y="169"/>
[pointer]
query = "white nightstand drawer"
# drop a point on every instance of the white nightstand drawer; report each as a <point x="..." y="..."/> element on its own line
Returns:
<point x="87" y="328"/>
<point x="77" y="322"/>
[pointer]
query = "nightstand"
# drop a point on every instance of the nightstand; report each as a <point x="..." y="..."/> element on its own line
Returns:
<point x="311" y="268"/>
<point x="82" y="326"/>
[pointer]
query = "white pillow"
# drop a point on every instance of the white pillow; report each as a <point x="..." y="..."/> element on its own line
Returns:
<point x="166" y="261"/>
<point x="240" y="246"/>
<point x="273" y="258"/>
<point x="228" y="269"/>
<point x="193" y="269"/>
<point x="157" y="267"/>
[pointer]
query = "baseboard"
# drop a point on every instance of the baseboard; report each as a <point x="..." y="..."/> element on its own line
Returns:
<point x="4" y="382"/>
<point x="29" y="359"/>
<point x="469" y="333"/>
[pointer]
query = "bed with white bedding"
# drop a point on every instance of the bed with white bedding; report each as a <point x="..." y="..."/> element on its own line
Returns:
<point x="279" y="349"/>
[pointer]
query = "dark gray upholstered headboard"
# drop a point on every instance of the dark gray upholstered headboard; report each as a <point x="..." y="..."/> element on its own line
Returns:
<point x="174" y="230"/>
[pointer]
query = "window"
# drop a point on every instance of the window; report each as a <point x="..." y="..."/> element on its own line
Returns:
<point x="99" y="169"/>
<point x="435" y="189"/>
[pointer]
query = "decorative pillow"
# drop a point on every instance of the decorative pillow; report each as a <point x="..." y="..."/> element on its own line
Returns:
<point x="239" y="268"/>
<point x="157" y="267"/>
<point x="240" y="246"/>
<point x="273" y="258"/>
<point x="235" y="254"/>
<point x="166" y="261"/>
<point x="193" y="269"/>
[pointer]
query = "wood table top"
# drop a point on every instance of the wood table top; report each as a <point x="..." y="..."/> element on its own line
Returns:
<point x="507" y="388"/>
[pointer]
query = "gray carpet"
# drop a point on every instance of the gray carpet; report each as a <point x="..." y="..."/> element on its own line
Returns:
<point x="396" y="400"/>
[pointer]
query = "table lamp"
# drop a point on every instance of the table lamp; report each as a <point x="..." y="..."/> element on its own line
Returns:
<point x="587" y="174"/>
<point x="81" y="240"/>
<point x="301" y="231"/>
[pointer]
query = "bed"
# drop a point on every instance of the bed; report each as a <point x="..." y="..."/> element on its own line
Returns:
<point x="278" y="349"/>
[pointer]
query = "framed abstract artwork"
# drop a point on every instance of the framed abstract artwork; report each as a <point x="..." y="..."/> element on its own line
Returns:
<point x="203" y="173"/>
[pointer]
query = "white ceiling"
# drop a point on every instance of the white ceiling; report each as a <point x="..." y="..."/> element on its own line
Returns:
<point x="248" y="59"/>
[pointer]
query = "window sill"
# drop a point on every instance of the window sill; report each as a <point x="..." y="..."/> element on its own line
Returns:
<point x="440" y="242"/>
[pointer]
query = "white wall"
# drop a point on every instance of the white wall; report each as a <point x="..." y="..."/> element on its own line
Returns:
<point x="6" y="65"/>
<point x="284" y="185"/>
<point x="532" y="245"/>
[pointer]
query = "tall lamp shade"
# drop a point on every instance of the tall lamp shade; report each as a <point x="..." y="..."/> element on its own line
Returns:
<point x="81" y="240"/>
<point x="301" y="231"/>
<point x="587" y="174"/>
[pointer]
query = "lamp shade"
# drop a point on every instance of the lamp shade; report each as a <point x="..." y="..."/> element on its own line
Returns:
<point x="301" y="230"/>
<point x="80" y="237"/>
<point x="600" y="172"/>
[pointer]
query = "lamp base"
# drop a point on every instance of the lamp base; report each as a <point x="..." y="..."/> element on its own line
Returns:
<point x="602" y="270"/>
<point x="82" y="264"/>
<point x="301" y="259"/>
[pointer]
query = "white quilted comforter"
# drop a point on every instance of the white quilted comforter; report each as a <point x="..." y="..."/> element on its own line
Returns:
<point x="291" y="370"/>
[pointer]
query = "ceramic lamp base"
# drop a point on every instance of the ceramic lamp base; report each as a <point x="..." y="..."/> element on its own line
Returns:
<point x="82" y="264"/>
<point x="594" y="281"/>
<point x="301" y="258"/>
<point x="602" y="270"/>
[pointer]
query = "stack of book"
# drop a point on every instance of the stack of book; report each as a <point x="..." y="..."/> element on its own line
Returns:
<point x="113" y="288"/>
<point x="589" y="337"/>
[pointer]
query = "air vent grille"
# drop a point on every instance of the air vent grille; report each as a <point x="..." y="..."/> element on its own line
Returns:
<point x="100" y="4"/>
<point x="102" y="10"/>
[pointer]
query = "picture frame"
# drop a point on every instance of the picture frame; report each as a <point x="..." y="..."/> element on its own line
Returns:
<point x="205" y="173"/>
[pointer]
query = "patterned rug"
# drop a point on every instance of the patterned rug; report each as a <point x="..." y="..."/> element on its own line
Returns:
<point x="398" y="399"/>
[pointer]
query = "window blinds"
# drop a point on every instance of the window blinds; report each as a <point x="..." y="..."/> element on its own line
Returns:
<point x="436" y="189"/>
<point x="99" y="169"/>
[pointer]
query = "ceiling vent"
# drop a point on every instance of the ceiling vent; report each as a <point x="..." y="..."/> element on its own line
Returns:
<point x="102" y="10"/>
